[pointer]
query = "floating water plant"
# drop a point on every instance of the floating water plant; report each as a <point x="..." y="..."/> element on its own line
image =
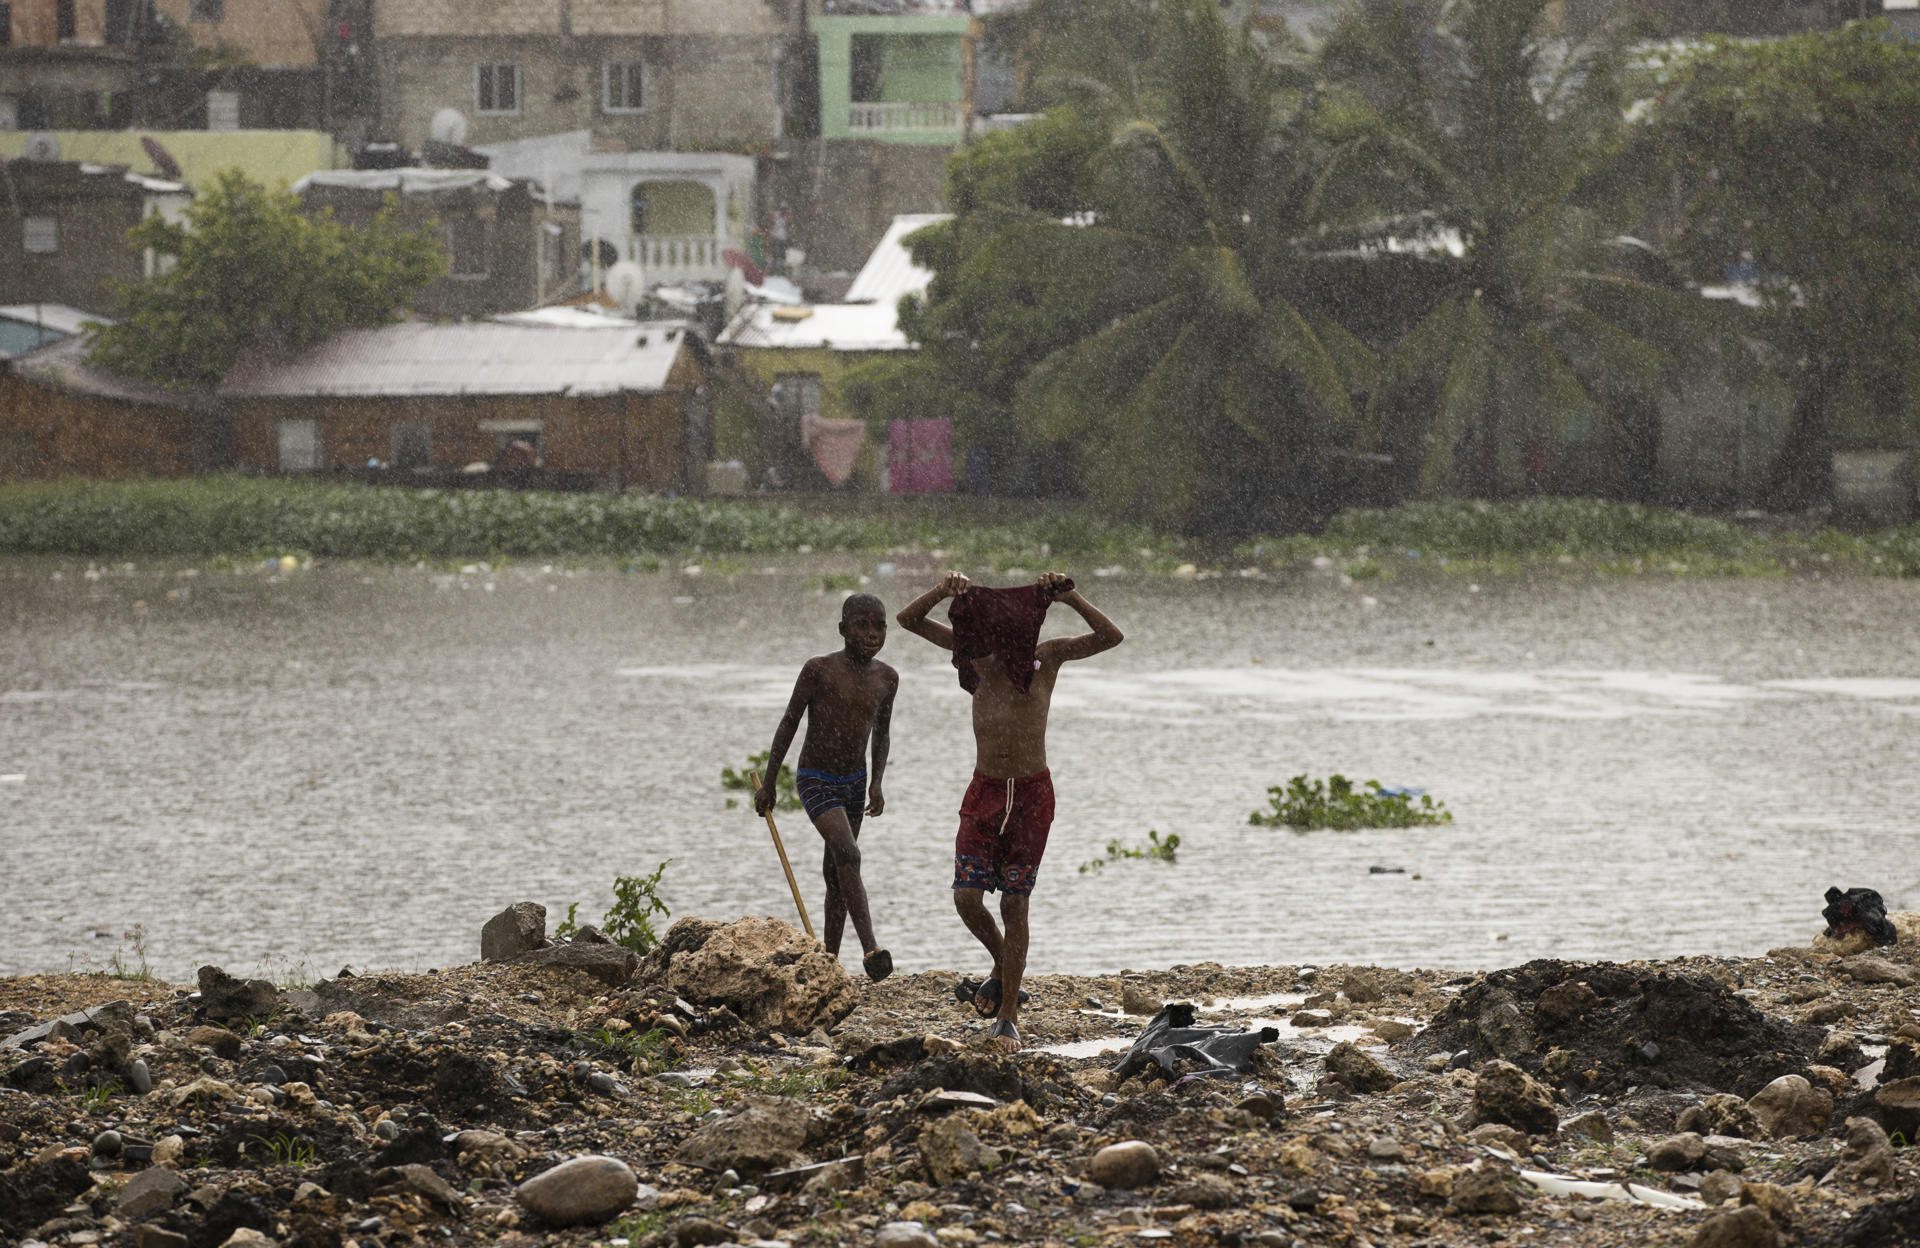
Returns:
<point x="1338" y="803"/>
<point x="786" y="794"/>
<point x="1155" y="850"/>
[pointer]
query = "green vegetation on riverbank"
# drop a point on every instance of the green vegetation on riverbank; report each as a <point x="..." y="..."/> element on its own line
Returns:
<point x="246" y="517"/>
<point x="230" y="515"/>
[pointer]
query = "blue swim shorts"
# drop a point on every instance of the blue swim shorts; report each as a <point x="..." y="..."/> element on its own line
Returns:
<point x="821" y="792"/>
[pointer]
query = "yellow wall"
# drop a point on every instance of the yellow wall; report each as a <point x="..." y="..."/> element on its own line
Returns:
<point x="736" y="425"/>
<point x="266" y="156"/>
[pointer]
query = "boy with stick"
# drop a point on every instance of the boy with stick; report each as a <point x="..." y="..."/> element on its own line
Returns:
<point x="1008" y="809"/>
<point x="846" y="696"/>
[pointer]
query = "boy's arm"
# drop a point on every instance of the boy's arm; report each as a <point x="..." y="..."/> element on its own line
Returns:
<point x="913" y="616"/>
<point x="803" y="691"/>
<point x="882" y="726"/>
<point x="1105" y="635"/>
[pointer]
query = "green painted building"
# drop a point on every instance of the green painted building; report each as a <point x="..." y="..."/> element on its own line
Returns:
<point x="904" y="78"/>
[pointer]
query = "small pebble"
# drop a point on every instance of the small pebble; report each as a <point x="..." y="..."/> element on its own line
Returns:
<point x="140" y="1077"/>
<point x="603" y="1083"/>
<point x="273" y="1075"/>
<point x="108" y="1144"/>
<point x="387" y="1129"/>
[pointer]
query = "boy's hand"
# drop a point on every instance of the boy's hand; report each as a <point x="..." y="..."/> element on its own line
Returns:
<point x="876" y="802"/>
<point x="763" y="798"/>
<point x="953" y="584"/>
<point x="1054" y="584"/>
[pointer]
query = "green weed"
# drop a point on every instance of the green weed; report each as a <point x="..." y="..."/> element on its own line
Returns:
<point x="1337" y="803"/>
<point x="568" y="928"/>
<point x="1155" y="850"/>
<point x="645" y="1052"/>
<point x="786" y="794"/>
<point x="640" y="1225"/>
<point x="793" y="1083"/>
<point x="629" y="921"/>
<point x="287" y="1150"/>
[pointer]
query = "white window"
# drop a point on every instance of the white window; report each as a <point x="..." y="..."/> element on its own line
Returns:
<point x="796" y="394"/>
<point x="42" y="236"/>
<point x="223" y="110"/>
<point x="299" y="446"/>
<point x="496" y="87"/>
<point x="626" y="86"/>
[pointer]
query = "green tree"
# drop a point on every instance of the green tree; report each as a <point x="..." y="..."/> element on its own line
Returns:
<point x="247" y="263"/>
<point x="1468" y="126"/>
<point x="1121" y="281"/>
<point x="1801" y="154"/>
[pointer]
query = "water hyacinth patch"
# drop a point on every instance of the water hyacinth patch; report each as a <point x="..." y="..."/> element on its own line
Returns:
<point x="1338" y="803"/>
<point x="233" y="515"/>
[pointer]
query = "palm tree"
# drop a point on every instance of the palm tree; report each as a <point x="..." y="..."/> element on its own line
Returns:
<point x="1467" y="124"/>
<point x="1172" y="357"/>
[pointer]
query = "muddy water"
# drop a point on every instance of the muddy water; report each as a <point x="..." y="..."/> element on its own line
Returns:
<point x="340" y="766"/>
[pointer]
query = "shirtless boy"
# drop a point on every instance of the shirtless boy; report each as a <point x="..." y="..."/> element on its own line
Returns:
<point x="846" y="696"/>
<point x="1008" y="808"/>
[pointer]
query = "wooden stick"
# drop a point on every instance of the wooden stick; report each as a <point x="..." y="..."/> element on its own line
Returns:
<point x="805" y="922"/>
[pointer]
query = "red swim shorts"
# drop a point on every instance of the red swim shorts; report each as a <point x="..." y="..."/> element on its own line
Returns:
<point x="1003" y="832"/>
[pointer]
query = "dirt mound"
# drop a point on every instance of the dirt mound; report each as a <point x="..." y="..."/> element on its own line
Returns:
<point x="1600" y="1027"/>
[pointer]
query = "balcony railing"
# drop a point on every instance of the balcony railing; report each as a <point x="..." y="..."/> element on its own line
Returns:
<point x="905" y="118"/>
<point x="676" y="257"/>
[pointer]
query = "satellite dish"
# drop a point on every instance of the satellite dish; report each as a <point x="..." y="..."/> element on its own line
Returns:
<point x="43" y="146"/>
<point x="626" y="284"/>
<point x="163" y="161"/>
<point x="449" y="125"/>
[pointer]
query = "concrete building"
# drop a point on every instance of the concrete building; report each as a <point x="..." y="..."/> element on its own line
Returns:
<point x="898" y="71"/>
<point x="63" y="230"/>
<point x="68" y="63"/>
<point x="508" y="246"/>
<point x="642" y="76"/>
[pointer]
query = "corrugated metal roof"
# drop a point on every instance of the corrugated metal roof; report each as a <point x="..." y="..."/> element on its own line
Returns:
<point x="405" y="181"/>
<point x="868" y="321"/>
<point x="890" y="272"/>
<point x="54" y="316"/>
<point x="418" y="359"/>
<point x="63" y="365"/>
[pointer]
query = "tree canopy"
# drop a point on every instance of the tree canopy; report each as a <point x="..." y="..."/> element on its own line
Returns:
<point x="1802" y="166"/>
<point x="248" y="262"/>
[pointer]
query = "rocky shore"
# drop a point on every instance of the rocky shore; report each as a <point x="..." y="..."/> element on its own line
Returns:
<point x="736" y="1087"/>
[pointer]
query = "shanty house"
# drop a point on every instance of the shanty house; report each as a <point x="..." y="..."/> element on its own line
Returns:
<point x="62" y="417"/>
<point x="615" y="408"/>
<point x="63" y="230"/>
<point x="508" y="245"/>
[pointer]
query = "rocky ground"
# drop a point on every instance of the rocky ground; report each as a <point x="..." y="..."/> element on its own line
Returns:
<point x="737" y="1087"/>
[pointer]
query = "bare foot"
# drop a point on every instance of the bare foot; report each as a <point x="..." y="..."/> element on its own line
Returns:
<point x="1003" y="1035"/>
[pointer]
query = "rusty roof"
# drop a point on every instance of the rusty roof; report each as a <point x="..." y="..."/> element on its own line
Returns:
<point x="418" y="359"/>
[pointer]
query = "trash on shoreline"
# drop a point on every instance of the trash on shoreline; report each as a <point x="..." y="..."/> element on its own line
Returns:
<point x="1858" y="910"/>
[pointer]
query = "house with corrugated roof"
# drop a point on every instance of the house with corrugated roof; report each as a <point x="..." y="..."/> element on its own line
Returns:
<point x="626" y="406"/>
<point x="785" y="363"/>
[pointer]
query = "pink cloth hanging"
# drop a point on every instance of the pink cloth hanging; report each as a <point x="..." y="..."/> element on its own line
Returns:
<point x="834" y="444"/>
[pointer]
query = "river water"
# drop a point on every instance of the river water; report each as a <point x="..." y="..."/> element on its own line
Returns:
<point x="288" y="773"/>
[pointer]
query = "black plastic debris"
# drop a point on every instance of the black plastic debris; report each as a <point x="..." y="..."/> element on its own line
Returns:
<point x="1171" y="1038"/>
<point x="1858" y="910"/>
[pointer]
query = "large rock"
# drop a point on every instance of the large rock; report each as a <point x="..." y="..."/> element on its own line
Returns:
<point x="1721" y="1114"/>
<point x="762" y="1137"/>
<point x="114" y="1016"/>
<point x="583" y="1190"/>
<point x="1899" y="1106"/>
<point x="950" y="1150"/>
<point x="1868" y="1156"/>
<point x="1745" y="1227"/>
<point x="612" y="965"/>
<point x="1358" y="1069"/>
<point x="904" y="1235"/>
<point x="1790" y="1106"/>
<point x="520" y="928"/>
<point x="1677" y="1152"/>
<point x="768" y="973"/>
<point x="1502" y="1092"/>
<point x="1130" y="1164"/>
<point x="223" y="996"/>
<point x="1482" y="1188"/>
<point x="149" y="1194"/>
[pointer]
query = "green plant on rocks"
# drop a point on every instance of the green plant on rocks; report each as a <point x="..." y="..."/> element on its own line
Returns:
<point x="787" y="794"/>
<point x="1155" y="850"/>
<point x="287" y="1150"/>
<point x="645" y="1052"/>
<point x="636" y="899"/>
<point x="1340" y="804"/>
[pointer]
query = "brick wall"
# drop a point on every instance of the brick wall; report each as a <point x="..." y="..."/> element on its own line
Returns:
<point x="92" y="214"/>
